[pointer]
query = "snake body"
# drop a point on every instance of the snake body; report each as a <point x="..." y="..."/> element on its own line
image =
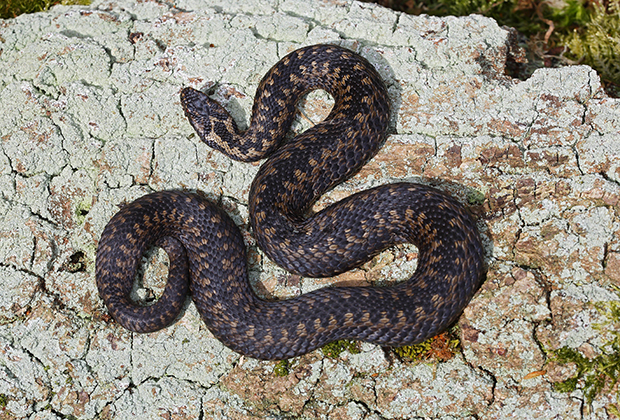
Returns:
<point x="208" y="248"/>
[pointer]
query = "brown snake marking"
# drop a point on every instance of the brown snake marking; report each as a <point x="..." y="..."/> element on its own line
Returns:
<point x="209" y="248"/>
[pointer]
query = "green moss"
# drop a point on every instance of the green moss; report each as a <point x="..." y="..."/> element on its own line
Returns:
<point x="597" y="43"/>
<point x="13" y="8"/>
<point x="333" y="350"/>
<point x="603" y="371"/>
<point x="440" y="348"/>
<point x="282" y="368"/>
<point x="614" y="409"/>
<point x="568" y="385"/>
<point x="414" y="352"/>
<point x="475" y="198"/>
<point x="4" y="400"/>
<point x="574" y="14"/>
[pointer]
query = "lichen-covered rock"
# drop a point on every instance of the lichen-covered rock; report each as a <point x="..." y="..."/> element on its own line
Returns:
<point x="91" y="119"/>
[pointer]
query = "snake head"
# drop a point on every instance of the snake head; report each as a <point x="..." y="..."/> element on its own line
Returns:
<point x="211" y="121"/>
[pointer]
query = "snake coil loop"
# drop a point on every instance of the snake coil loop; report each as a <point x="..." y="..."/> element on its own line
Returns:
<point x="208" y="251"/>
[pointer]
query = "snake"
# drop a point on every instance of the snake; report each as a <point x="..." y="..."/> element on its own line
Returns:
<point x="208" y="255"/>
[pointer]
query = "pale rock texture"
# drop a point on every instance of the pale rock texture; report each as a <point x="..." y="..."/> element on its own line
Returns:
<point x="89" y="98"/>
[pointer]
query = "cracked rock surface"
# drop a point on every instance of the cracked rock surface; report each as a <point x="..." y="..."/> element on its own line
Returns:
<point x="90" y="119"/>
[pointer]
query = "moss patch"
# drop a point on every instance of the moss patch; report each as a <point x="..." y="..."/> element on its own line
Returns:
<point x="602" y="372"/>
<point x="282" y="368"/>
<point x="13" y="8"/>
<point x="597" y="42"/>
<point x="440" y="348"/>
<point x="475" y="198"/>
<point x="333" y="350"/>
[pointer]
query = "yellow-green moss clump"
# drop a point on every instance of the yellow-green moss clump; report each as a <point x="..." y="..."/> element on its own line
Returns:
<point x="333" y="350"/>
<point x="475" y="198"/>
<point x="414" y="352"/>
<point x="597" y="43"/>
<point x="282" y="368"/>
<point x="13" y="8"/>
<point x="602" y="372"/>
<point x="440" y="348"/>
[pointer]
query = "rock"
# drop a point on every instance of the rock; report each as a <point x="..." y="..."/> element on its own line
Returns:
<point x="91" y="119"/>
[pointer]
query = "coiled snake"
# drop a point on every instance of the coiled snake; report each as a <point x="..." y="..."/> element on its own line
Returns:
<point x="205" y="244"/>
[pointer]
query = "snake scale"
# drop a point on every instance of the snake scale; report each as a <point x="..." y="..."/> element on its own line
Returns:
<point x="207" y="251"/>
